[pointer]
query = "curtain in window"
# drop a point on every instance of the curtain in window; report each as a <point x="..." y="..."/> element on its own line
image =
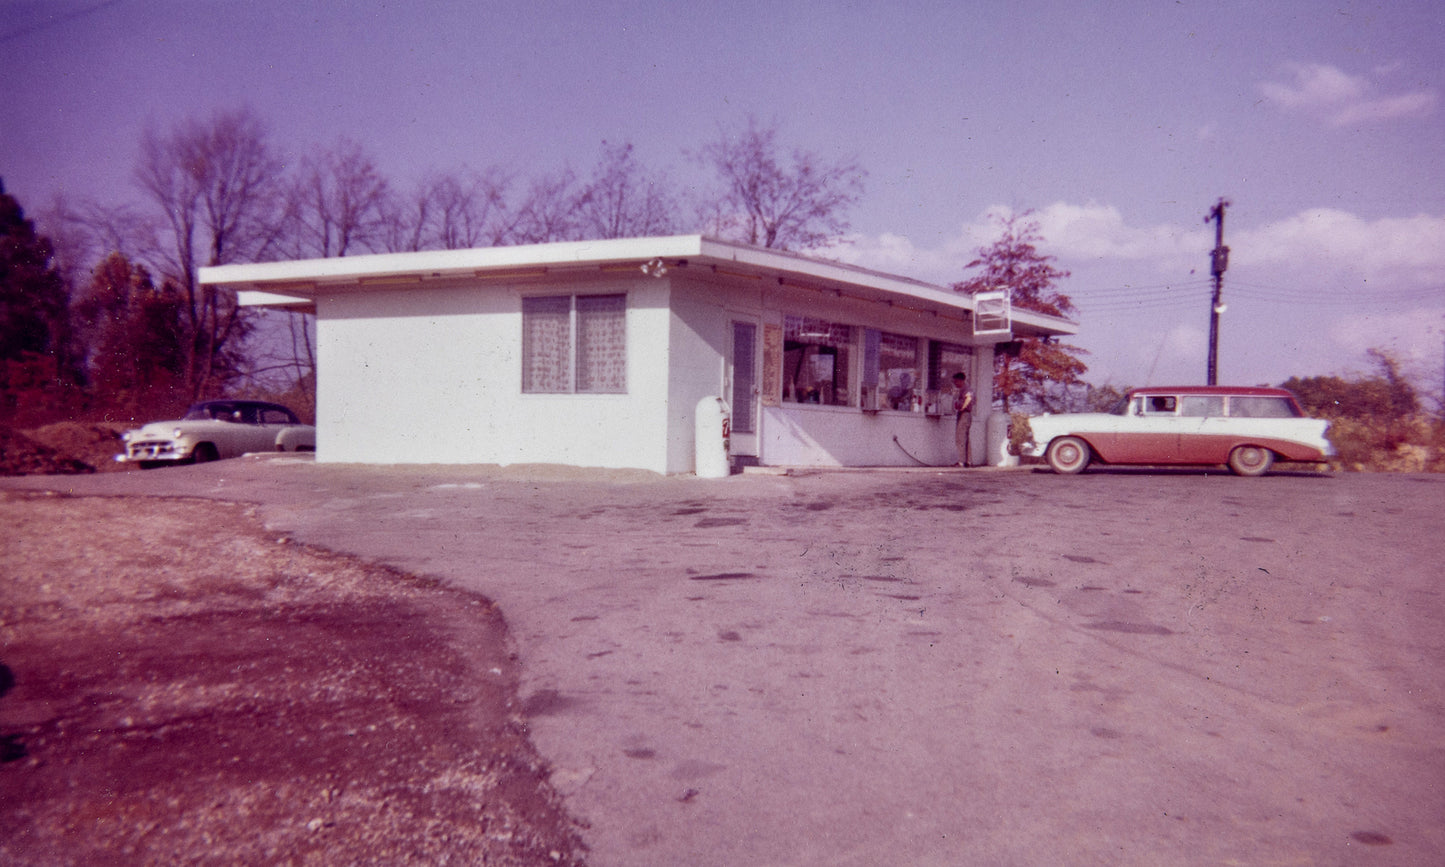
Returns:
<point x="602" y="343"/>
<point x="546" y="344"/>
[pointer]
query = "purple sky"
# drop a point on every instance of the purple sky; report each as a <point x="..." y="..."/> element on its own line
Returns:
<point x="1120" y="124"/>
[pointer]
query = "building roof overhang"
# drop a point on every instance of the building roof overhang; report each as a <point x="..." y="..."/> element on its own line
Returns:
<point x="296" y="285"/>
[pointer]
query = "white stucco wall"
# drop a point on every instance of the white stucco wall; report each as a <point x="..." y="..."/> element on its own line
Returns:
<point x="800" y="435"/>
<point x="433" y="375"/>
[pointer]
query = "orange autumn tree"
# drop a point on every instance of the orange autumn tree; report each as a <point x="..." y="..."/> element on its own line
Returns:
<point x="1033" y="370"/>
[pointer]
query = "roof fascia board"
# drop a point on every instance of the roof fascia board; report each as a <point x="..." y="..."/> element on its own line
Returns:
<point x="348" y="269"/>
<point x="253" y="298"/>
<point x="299" y="281"/>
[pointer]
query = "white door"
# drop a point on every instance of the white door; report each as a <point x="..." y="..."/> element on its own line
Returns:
<point x="741" y="387"/>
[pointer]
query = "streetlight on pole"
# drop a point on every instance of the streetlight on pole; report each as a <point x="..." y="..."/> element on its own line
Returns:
<point x="1218" y="264"/>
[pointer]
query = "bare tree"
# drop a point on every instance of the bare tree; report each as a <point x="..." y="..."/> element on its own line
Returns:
<point x="470" y="210"/>
<point x="550" y="211"/>
<point x="797" y="203"/>
<point x="338" y="204"/>
<point x="452" y="212"/>
<point x="624" y="201"/>
<point x="86" y="232"/>
<point x="408" y="221"/>
<point x="218" y="187"/>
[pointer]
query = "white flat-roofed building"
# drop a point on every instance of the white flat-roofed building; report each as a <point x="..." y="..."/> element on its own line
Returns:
<point x="597" y="353"/>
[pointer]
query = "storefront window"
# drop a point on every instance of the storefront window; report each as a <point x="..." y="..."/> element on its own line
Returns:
<point x="944" y="360"/>
<point x="816" y="356"/>
<point x="900" y="372"/>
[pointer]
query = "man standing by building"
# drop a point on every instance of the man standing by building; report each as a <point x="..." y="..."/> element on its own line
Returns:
<point x="963" y="405"/>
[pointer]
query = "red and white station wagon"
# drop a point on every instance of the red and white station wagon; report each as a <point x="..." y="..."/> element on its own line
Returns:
<point x="1246" y="428"/>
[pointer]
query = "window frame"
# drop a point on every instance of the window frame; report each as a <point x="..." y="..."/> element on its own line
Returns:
<point x="1213" y="406"/>
<point x="914" y="395"/>
<point x="1147" y="402"/>
<point x="573" y="338"/>
<point x="1259" y="406"/>
<point x="940" y="392"/>
<point x="845" y="368"/>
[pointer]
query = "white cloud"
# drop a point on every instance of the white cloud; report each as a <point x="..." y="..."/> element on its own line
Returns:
<point x="1390" y="249"/>
<point x="1076" y="234"/>
<point x="1340" y="99"/>
<point x="1091" y="232"/>
<point x="897" y="254"/>
<point x="1316" y="86"/>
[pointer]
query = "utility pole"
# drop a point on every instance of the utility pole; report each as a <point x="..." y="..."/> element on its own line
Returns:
<point x="1218" y="264"/>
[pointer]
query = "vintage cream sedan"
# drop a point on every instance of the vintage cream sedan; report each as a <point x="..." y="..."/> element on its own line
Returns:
<point x="218" y="429"/>
<point x="1246" y="428"/>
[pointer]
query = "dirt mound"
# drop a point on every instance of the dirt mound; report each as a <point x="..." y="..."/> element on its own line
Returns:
<point x="93" y="443"/>
<point x="20" y="455"/>
<point x="181" y="687"/>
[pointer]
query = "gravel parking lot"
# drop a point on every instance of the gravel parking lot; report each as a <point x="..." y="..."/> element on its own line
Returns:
<point x="928" y="667"/>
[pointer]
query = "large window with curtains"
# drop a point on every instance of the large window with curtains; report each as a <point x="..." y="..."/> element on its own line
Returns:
<point x="574" y="344"/>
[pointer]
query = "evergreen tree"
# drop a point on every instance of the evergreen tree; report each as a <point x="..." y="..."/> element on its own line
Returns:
<point x="134" y="333"/>
<point x="37" y="378"/>
<point x="33" y="300"/>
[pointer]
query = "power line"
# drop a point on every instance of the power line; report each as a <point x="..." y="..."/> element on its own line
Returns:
<point x="54" y="21"/>
<point x="1342" y="297"/>
<point x="1128" y="289"/>
<point x="1141" y="304"/>
<point x="1184" y="293"/>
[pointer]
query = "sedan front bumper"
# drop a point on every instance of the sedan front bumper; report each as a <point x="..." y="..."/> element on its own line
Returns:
<point x="153" y="451"/>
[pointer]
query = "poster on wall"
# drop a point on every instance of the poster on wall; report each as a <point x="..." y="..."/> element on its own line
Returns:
<point x="772" y="365"/>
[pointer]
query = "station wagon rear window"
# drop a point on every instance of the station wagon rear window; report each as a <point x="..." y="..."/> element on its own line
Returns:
<point x="1201" y="405"/>
<point x="1261" y="407"/>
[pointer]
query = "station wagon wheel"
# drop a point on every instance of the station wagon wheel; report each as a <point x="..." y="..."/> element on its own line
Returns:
<point x="204" y="453"/>
<point x="1250" y="460"/>
<point x="1068" y="455"/>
